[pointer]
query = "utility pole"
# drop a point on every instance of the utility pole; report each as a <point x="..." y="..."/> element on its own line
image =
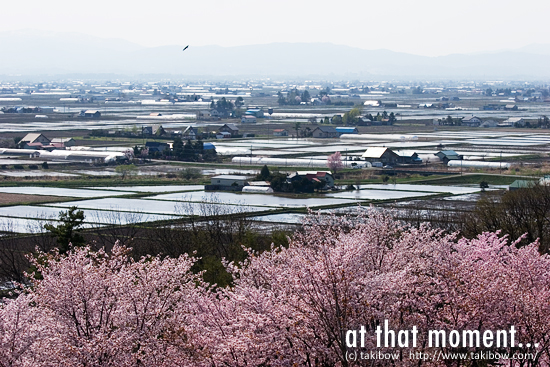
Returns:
<point x="346" y="157"/>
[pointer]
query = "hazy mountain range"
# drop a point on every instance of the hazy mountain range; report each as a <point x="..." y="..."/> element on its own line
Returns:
<point x="42" y="53"/>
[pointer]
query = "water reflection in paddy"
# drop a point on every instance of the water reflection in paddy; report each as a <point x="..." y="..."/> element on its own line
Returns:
<point x="159" y="207"/>
<point x="250" y="199"/>
<point x="113" y="216"/>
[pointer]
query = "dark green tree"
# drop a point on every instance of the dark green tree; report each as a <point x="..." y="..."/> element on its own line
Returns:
<point x="188" y="151"/>
<point x="281" y="100"/>
<point x="278" y="182"/>
<point x="392" y="118"/>
<point x="483" y="185"/>
<point x="198" y="147"/>
<point x="264" y="173"/>
<point x="239" y="102"/>
<point x="177" y="148"/>
<point x="67" y="233"/>
<point x="297" y="127"/>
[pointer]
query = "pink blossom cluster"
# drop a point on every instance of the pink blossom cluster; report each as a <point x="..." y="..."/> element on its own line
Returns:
<point x="334" y="162"/>
<point x="288" y="306"/>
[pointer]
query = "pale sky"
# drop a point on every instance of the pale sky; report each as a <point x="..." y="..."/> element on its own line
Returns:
<point x="422" y="27"/>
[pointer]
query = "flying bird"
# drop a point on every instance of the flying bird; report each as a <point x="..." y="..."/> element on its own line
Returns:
<point x="186" y="47"/>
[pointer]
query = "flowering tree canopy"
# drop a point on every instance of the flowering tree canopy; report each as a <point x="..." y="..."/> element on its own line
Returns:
<point x="334" y="162"/>
<point x="287" y="306"/>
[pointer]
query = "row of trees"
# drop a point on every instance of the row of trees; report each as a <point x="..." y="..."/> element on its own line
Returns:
<point x="226" y="107"/>
<point x="293" y="97"/>
<point x="286" y="306"/>
<point x="190" y="151"/>
<point x="354" y="118"/>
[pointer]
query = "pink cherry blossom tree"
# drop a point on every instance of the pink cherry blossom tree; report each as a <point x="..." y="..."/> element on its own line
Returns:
<point x="94" y="309"/>
<point x="293" y="306"/>
<point x="334" y="162"/>
<point x="286" y="306"/>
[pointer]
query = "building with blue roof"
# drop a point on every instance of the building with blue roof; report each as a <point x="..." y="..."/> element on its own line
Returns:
<point x="347" y="130"/>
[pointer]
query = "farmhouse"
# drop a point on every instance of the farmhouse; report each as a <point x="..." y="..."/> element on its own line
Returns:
<point x="381" y="154"/>
<point x="248" y="119"/>
<point x="280" y="132"/>
<point x="232" y="129"/>
<point x="325" y="132"/>
<point x="67" y="142"/>
<point x="448" y="155"/>
<point x="408" y="157"/>
<point x="514" y="121"/>
<point x="315" y="176"/>
<point x="155" y="146"/>
<point x="472" y="121"/>
<point x="33" y="141"/>
<point x="190" y="133"/>
<point x="90" y="114"/>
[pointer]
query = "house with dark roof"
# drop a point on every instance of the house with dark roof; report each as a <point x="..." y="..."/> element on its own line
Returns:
<point x="190" y="133"/>
<point x="408" y="157"/>
<point x="90" y="114"/>
<point x="155" y="146"/>
<point x="155" y="129"/>
<point x="230" y="128"/>
<point x="313" y="176"/>
<point x="473" y="121"/>
<point x="381" y="154"/>
<point x="514" y="121"/>
<point x="448" y="155"/>
<point x="325" y="132"/>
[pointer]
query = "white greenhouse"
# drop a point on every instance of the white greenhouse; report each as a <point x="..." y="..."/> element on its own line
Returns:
<point x="258" y="189"/>
<point x="479" y="164"/>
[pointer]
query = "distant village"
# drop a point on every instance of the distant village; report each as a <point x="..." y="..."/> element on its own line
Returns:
<point x="133" y="123"/>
